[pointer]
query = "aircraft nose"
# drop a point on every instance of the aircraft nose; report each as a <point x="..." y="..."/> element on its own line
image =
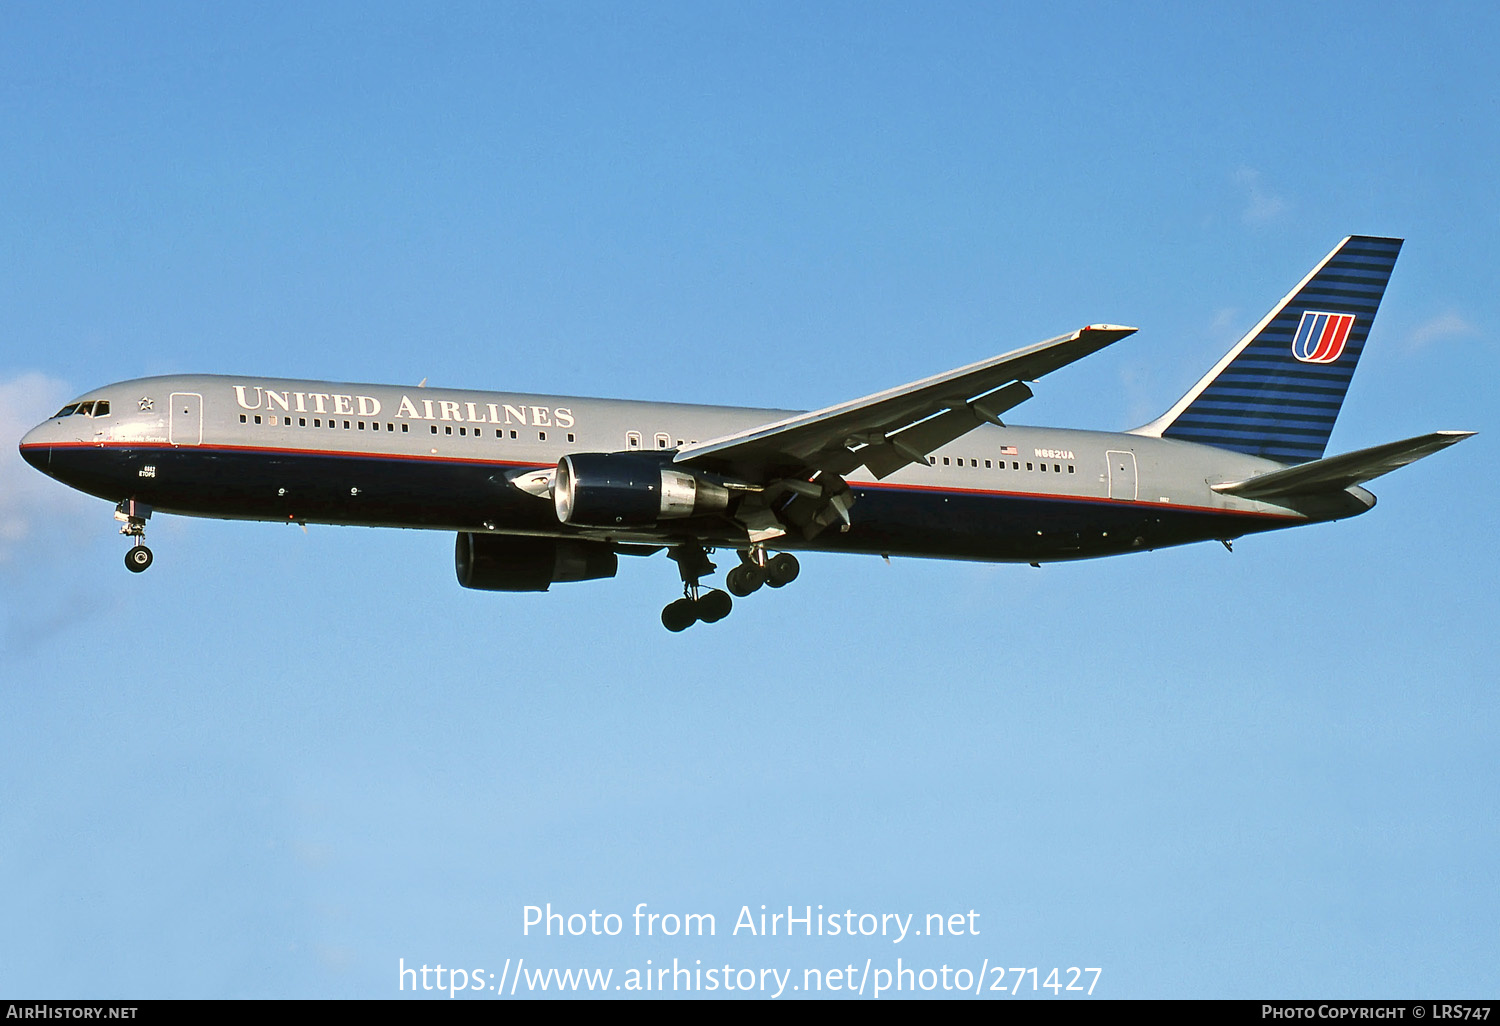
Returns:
<point x="34" y="447"/>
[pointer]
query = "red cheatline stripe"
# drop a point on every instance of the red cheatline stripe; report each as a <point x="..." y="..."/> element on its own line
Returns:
<point x="277" y="450"/>
<point x="1054" y="496"/>
<point x="873" y="485"/>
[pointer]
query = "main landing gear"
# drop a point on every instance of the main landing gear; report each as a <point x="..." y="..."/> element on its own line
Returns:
<point x="755" y="570"/>
<point x="133" y="516"/>
<point x="711" y="606"/>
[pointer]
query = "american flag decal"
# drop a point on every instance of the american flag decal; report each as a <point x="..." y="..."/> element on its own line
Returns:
<point x="1008" y="450"/>
<point x="1320" y="337"/>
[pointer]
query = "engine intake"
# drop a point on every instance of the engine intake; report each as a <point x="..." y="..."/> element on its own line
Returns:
<point x="500" y="562"/>
<point x="622" y="489"/>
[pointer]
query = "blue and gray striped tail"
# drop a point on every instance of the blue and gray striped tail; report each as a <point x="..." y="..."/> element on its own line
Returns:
<point x="1277" y="392"/>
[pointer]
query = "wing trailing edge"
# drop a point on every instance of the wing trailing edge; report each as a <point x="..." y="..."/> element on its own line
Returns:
<point x="1335" y="473"/>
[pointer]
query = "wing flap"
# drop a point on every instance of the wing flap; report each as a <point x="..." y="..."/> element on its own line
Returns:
<point x="1336" y="473"/>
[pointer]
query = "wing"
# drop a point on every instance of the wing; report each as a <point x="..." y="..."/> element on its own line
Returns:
<point x="890" y="429"/>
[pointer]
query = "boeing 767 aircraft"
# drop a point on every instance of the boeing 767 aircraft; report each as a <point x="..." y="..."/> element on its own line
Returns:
<point x="542" y="489"/>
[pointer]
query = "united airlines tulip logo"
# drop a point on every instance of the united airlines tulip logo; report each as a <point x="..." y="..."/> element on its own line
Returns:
<point x="1320" y="337"/>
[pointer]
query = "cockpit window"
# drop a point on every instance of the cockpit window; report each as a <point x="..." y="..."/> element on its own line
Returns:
<point x="99" y="408"/>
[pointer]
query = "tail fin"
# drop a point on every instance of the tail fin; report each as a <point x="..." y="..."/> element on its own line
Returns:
<point x="1278" y="391"/>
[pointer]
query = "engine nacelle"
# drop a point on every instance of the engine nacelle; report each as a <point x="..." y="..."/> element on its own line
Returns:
<point x="624" y="489"/>
<point x="500" y="562"/>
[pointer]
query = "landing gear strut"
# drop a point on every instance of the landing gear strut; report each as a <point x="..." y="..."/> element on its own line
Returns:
<point x="133" y="516"/>
<point x="709" y="606"/>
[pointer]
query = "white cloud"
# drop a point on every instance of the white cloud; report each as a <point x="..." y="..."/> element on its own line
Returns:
<point x="1444" y="326"/>
<point x="1226" y="326"/>
<point x="1262" y="205"/>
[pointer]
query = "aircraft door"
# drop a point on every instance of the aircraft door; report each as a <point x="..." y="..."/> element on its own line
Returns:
<point x="186" y="419"/>
<point x="1122" y="483"/>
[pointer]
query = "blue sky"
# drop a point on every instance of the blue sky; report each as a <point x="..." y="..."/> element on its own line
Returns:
<point x="280" y="762"/>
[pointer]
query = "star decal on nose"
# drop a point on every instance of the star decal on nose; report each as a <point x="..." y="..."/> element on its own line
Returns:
<point x="146" y="402"/>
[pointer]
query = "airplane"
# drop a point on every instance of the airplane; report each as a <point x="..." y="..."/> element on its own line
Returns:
<point x="545" y="489"/>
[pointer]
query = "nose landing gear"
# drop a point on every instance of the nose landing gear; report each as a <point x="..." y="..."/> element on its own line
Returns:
<point x="138" y="557"/>
<point x="133" y="516"/>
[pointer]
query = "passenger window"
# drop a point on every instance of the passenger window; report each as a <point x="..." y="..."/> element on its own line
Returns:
<point x="434" y="429"/>
<point x="987" y="465"/>
<point x="661" y="441"/>
<point x="257" y="418"/>
<point x="405" y="426"/>
<point x="1056" y="468"/>
<point x="570" y="437"/>
<point x="633" y="439"/>
<point x="242" y="418"/>
<point x="1044" y="468"/>
<point x="541" y="436"/>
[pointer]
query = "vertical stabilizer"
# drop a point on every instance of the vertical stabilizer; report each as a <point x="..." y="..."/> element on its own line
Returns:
<point x="1278" y="391"/>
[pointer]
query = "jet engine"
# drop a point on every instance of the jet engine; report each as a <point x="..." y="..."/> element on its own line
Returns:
<point x="500" y="562"/>
<point x="626" y="489"/>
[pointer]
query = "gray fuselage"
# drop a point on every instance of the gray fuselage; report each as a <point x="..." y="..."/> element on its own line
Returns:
<point x="380" y="455"/>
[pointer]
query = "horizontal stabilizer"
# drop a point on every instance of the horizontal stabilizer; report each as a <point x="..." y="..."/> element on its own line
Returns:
<point x="1339" y="472"/>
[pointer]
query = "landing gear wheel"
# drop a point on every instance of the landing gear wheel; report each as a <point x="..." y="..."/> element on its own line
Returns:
<point x="679" y="615"/>
<point x="713" y="606"/>
<point x="745" y="579"/>
<point x="782" y="570"/>
<point x="137" y="558"/>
